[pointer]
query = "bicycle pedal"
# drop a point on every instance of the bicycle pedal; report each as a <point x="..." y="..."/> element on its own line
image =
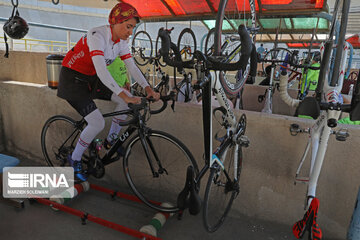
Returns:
<point x="342" y="135"/>
<point x="243" y="141"/>
<point x="180" y="215"/>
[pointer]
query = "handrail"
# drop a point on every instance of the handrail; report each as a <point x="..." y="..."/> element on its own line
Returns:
<point x="50" y="26"/>
<point x="68" y="29"/>
<point x="51" y="45"/>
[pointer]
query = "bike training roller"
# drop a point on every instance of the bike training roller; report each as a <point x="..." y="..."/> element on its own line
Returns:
<point x="157" y="222"/>
<point x="212" y="63"/>
<point x="65" y="196"/>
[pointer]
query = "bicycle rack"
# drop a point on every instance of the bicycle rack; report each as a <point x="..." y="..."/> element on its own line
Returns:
<point x="84" y="216"/>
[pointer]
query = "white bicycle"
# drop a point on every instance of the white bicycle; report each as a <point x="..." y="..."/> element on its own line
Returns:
<point x="326" y="107"/>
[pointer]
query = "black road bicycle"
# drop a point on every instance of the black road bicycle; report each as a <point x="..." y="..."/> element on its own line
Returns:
<point x="154" y="162"/>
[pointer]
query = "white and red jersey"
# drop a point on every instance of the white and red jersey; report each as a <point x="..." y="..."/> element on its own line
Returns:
<point x="93" y="52"/>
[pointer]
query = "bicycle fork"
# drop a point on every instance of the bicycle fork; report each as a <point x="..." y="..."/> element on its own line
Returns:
<point x="146" y="143"/>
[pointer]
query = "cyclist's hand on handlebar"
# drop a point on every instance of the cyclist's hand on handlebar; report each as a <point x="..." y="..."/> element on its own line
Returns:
<point x="127" y="86"/>
<point x="151" y="93"/>
<point x="129" y="99"/>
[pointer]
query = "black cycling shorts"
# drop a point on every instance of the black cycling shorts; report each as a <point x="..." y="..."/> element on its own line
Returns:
<point x="80" y="90"/>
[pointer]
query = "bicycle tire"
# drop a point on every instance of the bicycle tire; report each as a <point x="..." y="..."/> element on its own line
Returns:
<point x="209" y="48"/>
<point x="187" y="38"/>
<point x="140" y="178"/>
<point x="279" y="54"/>
<point x="234" y="85"/>
<point x="157" y="52"/>
<point x="218" y="195"/>
<point x="59" y="137"/>
<point x="209" y="43"/>
<point x="140" y="53"/>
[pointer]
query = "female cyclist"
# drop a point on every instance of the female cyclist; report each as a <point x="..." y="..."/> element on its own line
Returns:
<point x="84" y="76"/>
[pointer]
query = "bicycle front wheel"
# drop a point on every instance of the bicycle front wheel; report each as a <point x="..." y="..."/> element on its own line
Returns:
<point x="169" y="159"/>
<point x="59" y="137"/>
<point x="221" y="190"/>
<point x="142" y="48"/>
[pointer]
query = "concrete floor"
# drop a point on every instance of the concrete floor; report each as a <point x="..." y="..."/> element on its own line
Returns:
<point x="37" y="221"/>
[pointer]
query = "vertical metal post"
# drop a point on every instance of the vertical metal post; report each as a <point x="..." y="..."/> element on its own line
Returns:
<point x="354" y="228"/>
<point x="68" y="40"/>
<point x="11" y="44"/>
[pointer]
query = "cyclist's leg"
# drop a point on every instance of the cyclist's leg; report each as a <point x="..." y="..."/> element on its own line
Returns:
<point x="76" y="89"/>
<point x="115" y="127"/>
<point x="95" y="124"/>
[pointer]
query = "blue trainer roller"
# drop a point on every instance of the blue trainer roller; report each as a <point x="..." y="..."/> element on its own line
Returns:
<point x="7" y="161"/>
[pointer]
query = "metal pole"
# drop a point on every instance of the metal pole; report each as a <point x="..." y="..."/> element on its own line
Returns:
<point x="68" y="40"/>
<point x="11" y="44"/>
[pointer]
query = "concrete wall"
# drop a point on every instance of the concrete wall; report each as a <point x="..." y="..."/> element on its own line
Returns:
<point x="24" y="67"/>
<point x="267" y="188"/>
<point x="2" y="134"/>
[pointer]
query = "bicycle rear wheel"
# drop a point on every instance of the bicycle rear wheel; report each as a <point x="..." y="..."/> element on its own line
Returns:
<point x="220" y="191"/>
<point x="142" y="48"/>
<point x="209" y="43"/>
<point x="282" y="57"/>
<point x="187" y="44"/>
<point x="157" y="52"/>
<point x="59" y="137"/>
<point x="170" y="159"/>
<point x="232" y="82"/>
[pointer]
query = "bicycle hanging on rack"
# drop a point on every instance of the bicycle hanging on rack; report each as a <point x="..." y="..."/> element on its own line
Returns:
<point x="232" y="82"/>
<point x="326" y="108"/>
<point x="225" y="162"/>
<point x="142" y="51"/>
<point x="187" y="44"/>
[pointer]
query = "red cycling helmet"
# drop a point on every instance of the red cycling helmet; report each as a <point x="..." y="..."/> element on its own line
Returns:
<point x="122" y="12"/>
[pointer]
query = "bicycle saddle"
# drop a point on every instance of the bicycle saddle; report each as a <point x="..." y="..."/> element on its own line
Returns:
<point x="189" y="196"/>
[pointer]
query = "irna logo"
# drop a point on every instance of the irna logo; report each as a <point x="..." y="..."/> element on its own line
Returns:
<point x="35" y="180"/>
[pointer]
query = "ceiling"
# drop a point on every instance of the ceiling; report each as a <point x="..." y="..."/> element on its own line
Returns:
<point x="290" y="18"/>
<point x="174" y="10"/>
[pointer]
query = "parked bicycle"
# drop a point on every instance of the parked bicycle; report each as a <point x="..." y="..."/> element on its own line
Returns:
<point x="325" y="108"/>
<point x="154" y="162"/>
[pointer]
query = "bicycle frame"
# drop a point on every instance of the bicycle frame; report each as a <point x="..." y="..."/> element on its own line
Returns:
<point x="108" y="157"/>
<point x="321" y="139"/>
<point x="320" y="131"/>
<point x="216" y="158"/>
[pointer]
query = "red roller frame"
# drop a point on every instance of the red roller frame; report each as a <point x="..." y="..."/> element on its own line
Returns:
<point x="85" y="216"/>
